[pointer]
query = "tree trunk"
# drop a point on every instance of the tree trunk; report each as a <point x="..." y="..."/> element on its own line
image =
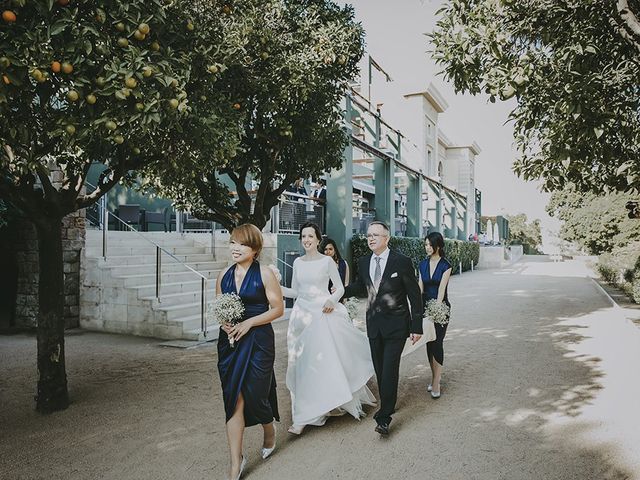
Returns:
<point x="52" y="378"/>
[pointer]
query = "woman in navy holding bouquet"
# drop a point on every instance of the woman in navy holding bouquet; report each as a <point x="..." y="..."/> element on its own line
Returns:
<point x="246" y="364"/>
<point x="435" y="271"/>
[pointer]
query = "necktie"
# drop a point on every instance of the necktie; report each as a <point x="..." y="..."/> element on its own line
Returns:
<point x="377" y="274"/>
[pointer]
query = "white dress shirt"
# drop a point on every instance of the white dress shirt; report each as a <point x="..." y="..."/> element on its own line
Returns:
<point x="383" y="263"/>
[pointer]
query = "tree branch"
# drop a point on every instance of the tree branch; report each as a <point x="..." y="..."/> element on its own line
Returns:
<point x="630" y="26"/>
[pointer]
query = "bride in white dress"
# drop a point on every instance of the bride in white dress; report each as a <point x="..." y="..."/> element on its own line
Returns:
<point x="329" y="358"/>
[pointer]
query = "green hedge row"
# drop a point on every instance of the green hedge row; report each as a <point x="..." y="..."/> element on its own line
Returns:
<point x="456" y="251"/>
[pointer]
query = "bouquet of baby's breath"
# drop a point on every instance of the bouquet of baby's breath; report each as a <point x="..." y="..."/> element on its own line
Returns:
<point x="226" y="309"/>
<point x="437" y="312"/>
<point x="352" y="305"/>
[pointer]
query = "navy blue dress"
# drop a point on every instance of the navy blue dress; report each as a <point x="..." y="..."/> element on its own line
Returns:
<point x="248" y="367"/>
<point x="431" y="283"/>
<point x="342" y="271"/>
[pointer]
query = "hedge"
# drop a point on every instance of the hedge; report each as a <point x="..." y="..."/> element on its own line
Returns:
<point x="456" y="251"/>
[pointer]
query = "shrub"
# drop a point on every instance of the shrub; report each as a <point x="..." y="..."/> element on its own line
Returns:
<point x="456" y="251"/>
<point x="608" y="272"/>
<point x="635" y="290"/>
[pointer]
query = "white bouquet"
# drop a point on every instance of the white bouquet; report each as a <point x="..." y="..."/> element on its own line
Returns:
<point x="227" y="309"/>
<point x="437" y="312"/>
<point x="352" y="305"/>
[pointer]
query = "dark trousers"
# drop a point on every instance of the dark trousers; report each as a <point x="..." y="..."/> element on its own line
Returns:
<point x="386" y="354"/>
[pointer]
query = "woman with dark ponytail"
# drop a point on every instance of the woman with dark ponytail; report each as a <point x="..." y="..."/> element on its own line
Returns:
<point x="434" y="281"/>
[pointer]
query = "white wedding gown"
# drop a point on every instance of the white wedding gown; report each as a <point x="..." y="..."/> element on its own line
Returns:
<point x="329" y="358"/>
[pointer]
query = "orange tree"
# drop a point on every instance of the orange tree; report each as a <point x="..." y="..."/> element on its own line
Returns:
<point x="287" y="90"/>
<point x="93" y="81"/>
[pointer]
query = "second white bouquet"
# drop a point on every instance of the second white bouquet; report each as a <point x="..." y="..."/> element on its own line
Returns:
<point x="437" y="312"/>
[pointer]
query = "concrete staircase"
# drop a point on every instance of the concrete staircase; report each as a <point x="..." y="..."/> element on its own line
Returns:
<point x="118" y="295"/>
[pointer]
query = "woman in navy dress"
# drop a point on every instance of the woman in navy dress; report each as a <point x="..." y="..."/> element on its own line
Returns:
<point x="330" y="249"/>
<point x="434" y="275"/>
<point x="246" y="369"/>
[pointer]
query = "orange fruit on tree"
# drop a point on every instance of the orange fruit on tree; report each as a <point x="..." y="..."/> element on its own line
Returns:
<point x="236" y="106"/>
<point x="6" y="80"/>
<point x="67" y="67"/>
<point x="173" y="103"/>
<point x="190" y="26"/>
<point x="123" y="42"/>
<point x="8" y="16"/>
<point x="120" y="26"/>
<point x="138" y="35"/>
<point x="73" y="96"/>
<point x="155" y="46"/>
<point x="119" y="139"/>
<point x="56" y="67"/>
<point x="91" y="99"/>
<point x="63" y="3"/>
<point x="144" y="28"/>
<point x="70" y="129"/>
<point x="131" y="82"/>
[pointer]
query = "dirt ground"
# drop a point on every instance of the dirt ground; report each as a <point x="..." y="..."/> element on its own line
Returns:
<point x="540" y="382"/>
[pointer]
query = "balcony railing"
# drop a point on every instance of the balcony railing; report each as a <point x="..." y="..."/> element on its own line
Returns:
<point x="295" y="210"/>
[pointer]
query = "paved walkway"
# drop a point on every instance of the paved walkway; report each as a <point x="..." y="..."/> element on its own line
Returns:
<point x="540" y="382"/>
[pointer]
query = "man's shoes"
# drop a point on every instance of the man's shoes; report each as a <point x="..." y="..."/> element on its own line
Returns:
<point x="383" y="429"/>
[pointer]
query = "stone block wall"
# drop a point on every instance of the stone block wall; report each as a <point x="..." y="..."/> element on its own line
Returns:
<point x="24" y="243"/>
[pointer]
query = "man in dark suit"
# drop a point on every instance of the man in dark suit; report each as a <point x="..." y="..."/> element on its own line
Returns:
<point x="320" y="192"/>
<point x="388" y="280"/>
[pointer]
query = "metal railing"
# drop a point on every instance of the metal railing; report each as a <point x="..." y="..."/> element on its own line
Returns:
<point x="104" y="225"/>
<point x="295" y="210"/>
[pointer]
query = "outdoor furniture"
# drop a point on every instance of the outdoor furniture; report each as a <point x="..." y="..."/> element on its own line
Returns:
<point x="154" y="218"/>
<point x="191" y="223"/>
<point x="131" y="215"/>
<point x="169" y="219"/>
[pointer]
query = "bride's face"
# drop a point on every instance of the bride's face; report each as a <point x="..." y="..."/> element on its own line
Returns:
<point x="309" y="240"/>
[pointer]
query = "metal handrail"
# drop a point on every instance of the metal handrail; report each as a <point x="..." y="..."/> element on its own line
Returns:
<point x="159" y="250"/>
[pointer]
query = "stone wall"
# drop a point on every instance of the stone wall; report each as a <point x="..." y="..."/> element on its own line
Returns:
<point x="24" y="242"/>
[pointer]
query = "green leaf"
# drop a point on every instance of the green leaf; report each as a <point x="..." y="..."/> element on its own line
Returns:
<point x="58" y="27"/>
<point x="598" y="132"/>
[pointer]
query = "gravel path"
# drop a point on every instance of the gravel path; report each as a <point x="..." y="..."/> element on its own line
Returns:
<point x="540" y="383"/>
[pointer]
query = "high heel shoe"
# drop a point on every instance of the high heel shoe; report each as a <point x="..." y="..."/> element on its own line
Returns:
<point x="265" y="452"/>
<point x="429" y="387"/>
<point x="296" y="429"/>
<point x="242" y="465"/>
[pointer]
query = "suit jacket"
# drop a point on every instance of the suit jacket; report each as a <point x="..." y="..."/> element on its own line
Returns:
<point x="388" y="312"/>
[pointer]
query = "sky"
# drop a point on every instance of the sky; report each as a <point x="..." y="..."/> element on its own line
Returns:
<point x="395" y="38"/>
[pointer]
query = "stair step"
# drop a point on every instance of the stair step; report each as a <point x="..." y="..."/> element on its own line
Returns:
<point x="93" y="252"/>
<point x="148" y="291"/>
<point x="113" y="260"/>
<point x="181" y="311"/>
<point x="167" y="299"/>
<point x="168" y="266"/>
<point x="134" y="280"/>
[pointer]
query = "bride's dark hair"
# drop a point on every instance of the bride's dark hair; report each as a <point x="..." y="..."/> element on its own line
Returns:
<point x="315" y="227"/>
